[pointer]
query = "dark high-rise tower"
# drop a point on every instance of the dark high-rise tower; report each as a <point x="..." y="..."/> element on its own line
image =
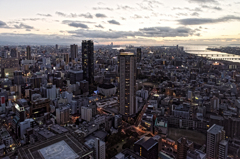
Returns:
<point x="127" y="98"/>
<point x="28" y="52"/>
<point x="88" y="60"/>
<point x="139" y="54"/>
<point x="74" y="51"/>
<point x="13" y="52"/>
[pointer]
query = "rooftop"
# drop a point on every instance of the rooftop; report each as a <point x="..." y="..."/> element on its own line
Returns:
<point x="215" y="129"/>
<point x="64" y="144"/>
<point x="146" y="142"/>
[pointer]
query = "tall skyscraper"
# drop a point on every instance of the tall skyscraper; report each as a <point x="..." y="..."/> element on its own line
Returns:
<point x="139" y="54"/>
<point x="127" y="98"/>
<point x="88" y="60"/>
<point x="214" y="135"/>
<point x="74" y="51"/>
<point x="100" y="149"/>
<point x="13" y="52"/>
<point x="28" y="52"/>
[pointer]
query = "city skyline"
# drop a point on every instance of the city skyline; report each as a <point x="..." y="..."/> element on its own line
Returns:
<point x="148" y="22"/>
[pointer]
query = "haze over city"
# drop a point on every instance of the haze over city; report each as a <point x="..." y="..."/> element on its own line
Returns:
<point x="147" y="22"/>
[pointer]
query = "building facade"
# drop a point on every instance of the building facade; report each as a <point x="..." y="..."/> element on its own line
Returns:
<point x="127" y="62"/>
<point x="88" y="60"/>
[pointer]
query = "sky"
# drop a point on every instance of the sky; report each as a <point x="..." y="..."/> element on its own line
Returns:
<point x="136" y="22"/>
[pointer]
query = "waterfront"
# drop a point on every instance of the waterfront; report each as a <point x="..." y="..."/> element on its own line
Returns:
<point x="201" y="50"/>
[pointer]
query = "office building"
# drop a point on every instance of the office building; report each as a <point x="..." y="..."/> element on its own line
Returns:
<point x="13" y="53"/>
<point x="139" y="54"/>
<point x="62" y="115"/>
<point x="214" y="135"/>
<point x="214" y="104"/>
<point x="86" y="113"/>
<point x="88" y="60"/>
<point x="183" y="145"/>
<point x="6" y="138"/>
<point x="223" y="149"/>
<point x="28" y="53"/>
<point x="127" y="98"/>
<point x="65" y="57"/>
<point x="100" y="149"/>
<point x="75" y="76"/>
<point x="74" y="52"/>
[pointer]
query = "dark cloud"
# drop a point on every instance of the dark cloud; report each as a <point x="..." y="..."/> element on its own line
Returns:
<point x="114" y="22"/>
<point x="99" y="26"/>
<point x="3" y="24"/>
<point x="74" y="15"/>
<point x="44" y="15"/>
<point x="203" y="1"/>
<point x="167" y="32"/>
<point x="144" y="32"/>
<point x="78" y="25"/>
<point x="198" y="21"/>
<point x="23" y="26"/>
<point x="99" y="15"/>
<point x="102" y="8"/>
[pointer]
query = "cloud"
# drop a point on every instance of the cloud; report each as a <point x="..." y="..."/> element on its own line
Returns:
<point x="44" y="15"/>
<point x="149" y="4"/>
<point x="3" y="24"/>
<point x="102" y="8"/>
<point x="198" y="21"/>
<point x="99" y="15"/>
<point x="99" y="26"/>
<point x="181" y="14"/>
<point x="144" y="32"/>
<point x="33" y="19"/>
<point x="101" y="3"/>
<point x="78" y="25"/>
<point x="70" y="21"/>
<point x="195" y="14"/>
<point x="113" y="22"/>
<point x="189" y="9"/>
<point x="61" y="14"/>
<point x="136" y="16"/>
<point x="23" y="26"/>
<point x="166" y="32"/>
<point x="74" y="15"/>
<point x="87" y="15"/>
<point x="210" y="7"/>
<point x="203" y="1"/>
<point x="125" y="7"/>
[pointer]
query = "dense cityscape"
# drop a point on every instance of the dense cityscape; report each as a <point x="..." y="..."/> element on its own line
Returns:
<point x="113" y="102"/>
<point x="107" y="79"/>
